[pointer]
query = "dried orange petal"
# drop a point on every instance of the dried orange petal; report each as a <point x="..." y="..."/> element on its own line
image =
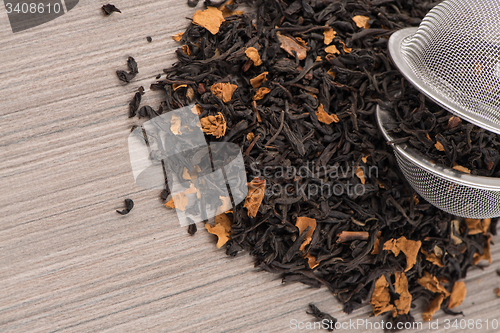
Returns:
<point x="486" y="253"/>
<point x="431" y="283"/>
<point x="376" y="245"/>
<point x="332" y="49"/>
<point x="175" y="125"/>
<point x="221" y="229"/>
<point x="214" y="125"/>
<point x="346" y="49"/>
<point x="457" y="294"/>
<point x="361" y="175"/>
<point x="261" y="93"/>
<point x="408" y="247"/>
<point x="324" y="117"/>
<point x="439" y="146"/>
<point x="258" y="80"/>
<point x="302" y="223"/>
<point x="361" y="21"/>
<point x="178" y="37"/>
<point x="433" y="258"/>
<point x="402" y="304"/>
<point x="381" y="297"/>
<point x="255" y="195"/>
<point x="434" y="305"/>
<point x="311" y="261"/>
<point x="253" y="55"/>
<point x="210" y="19"/>
<point x="224" y="91"/>
<point x="328" y="36"/>
<point x="461" y="168"/>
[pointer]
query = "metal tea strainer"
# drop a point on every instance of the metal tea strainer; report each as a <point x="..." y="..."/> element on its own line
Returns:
<point x="453" y="58"/>
<point x="455" y="192"/>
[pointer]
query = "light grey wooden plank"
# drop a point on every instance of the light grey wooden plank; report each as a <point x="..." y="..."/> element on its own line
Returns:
<point x="69" y="262"/>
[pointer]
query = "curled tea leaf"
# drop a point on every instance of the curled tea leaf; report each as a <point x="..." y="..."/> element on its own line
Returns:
<point x="109" y="8"/>
<point x="129" y="204"/>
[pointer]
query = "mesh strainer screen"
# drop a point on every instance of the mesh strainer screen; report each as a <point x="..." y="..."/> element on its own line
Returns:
<point x="456" y="51"/>
<point x="454" y="198"/>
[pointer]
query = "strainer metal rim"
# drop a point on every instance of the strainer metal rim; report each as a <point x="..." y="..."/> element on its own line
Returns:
<point x="394" y="46"/>
<point x="416" y="157"/>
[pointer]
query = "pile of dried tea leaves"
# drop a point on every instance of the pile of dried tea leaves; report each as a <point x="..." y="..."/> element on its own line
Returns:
<point x="296" y="85"/>
<point x="443" y="137"/>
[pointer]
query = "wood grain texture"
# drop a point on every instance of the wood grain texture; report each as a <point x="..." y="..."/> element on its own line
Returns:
<point x="69" y="262"/>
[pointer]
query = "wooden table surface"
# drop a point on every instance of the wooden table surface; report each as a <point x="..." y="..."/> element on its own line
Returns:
<point x="69" y="262"/>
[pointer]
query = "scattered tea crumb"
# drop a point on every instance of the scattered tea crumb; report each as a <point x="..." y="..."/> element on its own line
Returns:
<point x="109" y="8"/>
<point x="321" y="316"/>
<point x="193" y="3"/>
<point x="192" y="229"/>
<point x="129" y="204"/>
<point x="149" y="39"/>
<point x="133" y="70"/>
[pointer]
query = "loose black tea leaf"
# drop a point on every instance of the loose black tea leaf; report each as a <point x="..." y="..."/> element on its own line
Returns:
<point x="149" y="39"/>
<point x="134" y="104"/>
<point x="132" y="65"/>
<point x="108" y="9"/>
<point x="192" y="229"/>
<point x="296" y="87"/>
<point x="133" y="70"/>
<point x="193" y="3"/>
<point x="323" y="317"/>
<point x="129" y="204"/>
<point x="125" y="76"/>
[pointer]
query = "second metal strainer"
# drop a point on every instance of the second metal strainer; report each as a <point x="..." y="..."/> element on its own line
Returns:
<point x="453" y="57"/>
